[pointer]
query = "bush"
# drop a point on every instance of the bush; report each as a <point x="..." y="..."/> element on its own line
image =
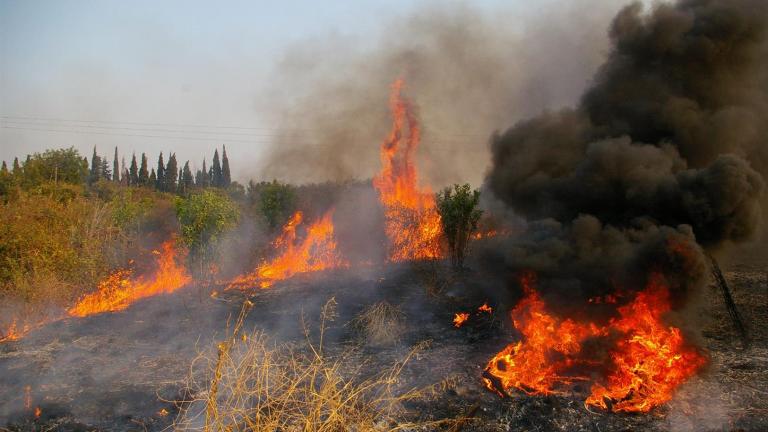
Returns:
<point x="203" y="218"/>
<point x="459" y="216"/>
<point x="274" y="201"/>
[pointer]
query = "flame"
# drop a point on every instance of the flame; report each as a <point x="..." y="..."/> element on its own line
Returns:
<point x="14" y="332"/>
<point x="460" y="318"/>
<point x="38" y="411"/>
<point x="119" y="290"/>
<point x="316" y="252"/>
<point x="412" y="222"/>
<point x="485" y="308"/>
<point x="649" y="359"/>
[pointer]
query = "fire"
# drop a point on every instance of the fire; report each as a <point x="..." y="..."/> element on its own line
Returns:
<point x="649" y="359"/>
<point x="485" y="308"/>
<point x="412" y="222"/>
<point x="120" y="289"/>
<point x="316" y="252"/>
<point x="14" y="332"/>
<point x="460" y="318"/>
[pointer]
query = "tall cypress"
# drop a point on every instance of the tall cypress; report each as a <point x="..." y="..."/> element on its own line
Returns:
<point x="133" y="178"/>
<point x="4" y="169"/>
<point x="115" y="169"/>
<point x="206" y="179"/>
<point x="171" y="171"/>
<point x="143" y="173"/>
<point x="186" y="178"/>
<point x="216" y="180"/>
<point x="95" y="172"/>
<point x="226" y="178"/>
<point x="16" y="171"/>
<point x="152" y="177"/>
<point x="105" y="173"/>
<point x="160" y="183"/>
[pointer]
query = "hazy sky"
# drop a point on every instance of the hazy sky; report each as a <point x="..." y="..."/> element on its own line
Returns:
<point x="181" y="76"/>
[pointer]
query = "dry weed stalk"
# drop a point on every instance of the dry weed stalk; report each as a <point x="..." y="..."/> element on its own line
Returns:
<point x="380" y="324"/>
<point x="255" y="384"/>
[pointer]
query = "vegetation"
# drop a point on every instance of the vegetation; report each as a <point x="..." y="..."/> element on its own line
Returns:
<point x="275" y="201"/>
<point x="251" y="383"/>
<point x="203" y="218"/>
<point x="459" y="216"/>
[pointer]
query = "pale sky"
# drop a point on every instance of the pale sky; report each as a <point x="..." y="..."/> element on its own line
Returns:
<point x="181" y="76"/>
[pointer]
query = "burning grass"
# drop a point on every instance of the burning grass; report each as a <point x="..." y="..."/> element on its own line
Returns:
<point x="252" y="383"/>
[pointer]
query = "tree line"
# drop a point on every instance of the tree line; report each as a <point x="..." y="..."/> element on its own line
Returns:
<point x="68" y="166"/>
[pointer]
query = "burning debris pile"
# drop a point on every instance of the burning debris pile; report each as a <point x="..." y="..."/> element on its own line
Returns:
<point x="664" y="153"/>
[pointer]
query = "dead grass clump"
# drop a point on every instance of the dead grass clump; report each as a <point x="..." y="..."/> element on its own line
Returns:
<point x="380" y="324"/>
<point x="252" y="383"/>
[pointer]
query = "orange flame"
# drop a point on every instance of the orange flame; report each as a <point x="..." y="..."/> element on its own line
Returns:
<point x="460" y="318"/>
<point x="316" y="252"/>
<point x="649" y="360"/>
<point x="485" y="308"/>
<point x="119" y="290"/>
<point x="412" y="222"/>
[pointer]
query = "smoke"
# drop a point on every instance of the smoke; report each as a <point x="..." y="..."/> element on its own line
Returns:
<point x="664" y="152"/>
<point x="469" y="71"/>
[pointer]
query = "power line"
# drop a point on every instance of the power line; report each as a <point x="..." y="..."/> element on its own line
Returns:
<point x="207" y="139"/>
<point x="28" y="119"/>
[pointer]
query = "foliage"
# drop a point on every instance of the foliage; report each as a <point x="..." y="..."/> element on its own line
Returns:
<point x="275" y="201"/>
<point x="203" y="218"/>
<point x="61" y="165"/>
<point x="459" y="216"/>
<point x="53" y="235"/>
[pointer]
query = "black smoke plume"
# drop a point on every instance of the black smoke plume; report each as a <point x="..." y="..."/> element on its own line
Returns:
<point x="664" y="157"/>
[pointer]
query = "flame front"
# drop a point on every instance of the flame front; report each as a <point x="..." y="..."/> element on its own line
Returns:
<point x="651" y="360"/>
<point x="412" y="222"/>
<point x="119" y="290"/>
<point x="648" y="362"/>
<point x="316" y="252"/>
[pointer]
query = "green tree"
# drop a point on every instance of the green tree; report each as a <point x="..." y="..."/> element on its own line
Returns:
<point x="459" y="216"/>
<point x="143" y="171"/>
<point x="95" y="172"/>
<point x="62" y="165"/>
<point x="133" y="173"/>
<point x="115" y="169"/>
<point x="187" y="182"/>
<point x="204" y="217"/>
<point x="160" y="183"/>
<point x="275" y="201"/>
<point x="216" y="174"/>
<point x="171" y="171"/>
<point x="226" y="177"/>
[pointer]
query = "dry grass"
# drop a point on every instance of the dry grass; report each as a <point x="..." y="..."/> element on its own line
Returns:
<point x="380" y="324"/>
<point x="251" y="383"/>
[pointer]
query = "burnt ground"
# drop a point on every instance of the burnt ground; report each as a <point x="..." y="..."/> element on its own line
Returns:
<point x="118" y="371"/>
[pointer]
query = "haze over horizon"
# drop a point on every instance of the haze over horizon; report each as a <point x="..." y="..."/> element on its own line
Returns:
<point x="187" y="78"/>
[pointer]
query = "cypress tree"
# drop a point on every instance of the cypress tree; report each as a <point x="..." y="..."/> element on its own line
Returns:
<point x="152" y="177"/>
<point x="171" y="171"/>
<point x="4" y="169"/>
<point x="104" y="171"/>
<point x="143" y="173"/>
<point x="16" y="169"/>
<point x="115" y="169"/>
<point x="216" y="180"/>
<point x="206" y="178"/>
<point x="133" y="178"/>
<point x="186" y="177"/>
<point x="95" y="172"/>
<point x="226" y="178"/>
<point x="160" y="183"/>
